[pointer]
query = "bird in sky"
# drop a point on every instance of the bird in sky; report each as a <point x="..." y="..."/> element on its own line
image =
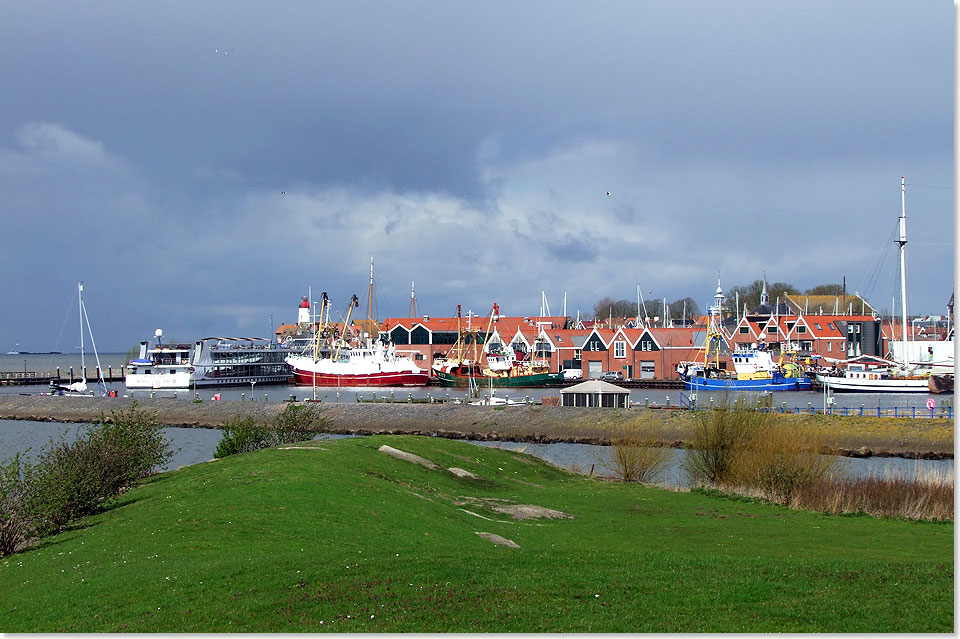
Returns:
<point x="608" y="193"/>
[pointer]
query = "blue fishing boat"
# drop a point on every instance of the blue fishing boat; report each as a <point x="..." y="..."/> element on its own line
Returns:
<point x="754" y="367"/>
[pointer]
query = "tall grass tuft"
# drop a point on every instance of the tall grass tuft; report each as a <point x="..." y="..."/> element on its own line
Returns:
<point x="779" y="460"/>
<point x="296" y="423"/>
<point x="718" y="436"/>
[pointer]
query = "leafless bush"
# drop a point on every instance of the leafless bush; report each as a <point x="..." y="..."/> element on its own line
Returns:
<point x="779" y="460"/>
<point x="635" y="456"/>
<point x="718" y="435"/>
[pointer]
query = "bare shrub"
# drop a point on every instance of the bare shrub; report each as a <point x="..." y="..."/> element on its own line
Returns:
<point x="635" y="456"/>
<point x="779" y="460"/>
<point x="718" y="435"/>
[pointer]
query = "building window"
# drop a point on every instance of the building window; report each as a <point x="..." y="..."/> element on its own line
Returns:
<point x="790" y="325"/>
<point x="829" y="346"/>
<point x="818" y="327"/>
<point x="620" y="349"/>
<point x="577" y="354"/>
<point x="801" y="329"/>
<point x="744" y="330"/>
<point x="772" y="329"/>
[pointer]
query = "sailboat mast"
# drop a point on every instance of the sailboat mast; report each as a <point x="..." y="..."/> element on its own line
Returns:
<point x="902" y="242"/>
<point x="370" y="303"/>
<point x="83" y="365"/>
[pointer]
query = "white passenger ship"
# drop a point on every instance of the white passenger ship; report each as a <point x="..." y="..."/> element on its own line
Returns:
<point x="211" y="361"/>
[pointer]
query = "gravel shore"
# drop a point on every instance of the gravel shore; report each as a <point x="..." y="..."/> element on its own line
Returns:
<point x="854" y="436"/>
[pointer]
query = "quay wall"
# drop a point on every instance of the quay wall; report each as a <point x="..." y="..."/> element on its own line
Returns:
<point x="852" y="436"/>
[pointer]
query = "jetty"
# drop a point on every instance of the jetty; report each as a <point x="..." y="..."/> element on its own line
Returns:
<point x="27" y="378"/>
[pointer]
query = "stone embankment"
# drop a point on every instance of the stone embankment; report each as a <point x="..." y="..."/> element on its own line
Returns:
<point x="852" y="436"/>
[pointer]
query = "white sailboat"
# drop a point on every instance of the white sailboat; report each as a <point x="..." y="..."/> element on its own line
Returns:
<point x="884" y="376"/>
<point x="79" y="388"/>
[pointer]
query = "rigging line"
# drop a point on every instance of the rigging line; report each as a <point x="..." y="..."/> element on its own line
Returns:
<point x="872" y="280"/>
<point x="929" y="186"/>
<point x="56" y="346"/>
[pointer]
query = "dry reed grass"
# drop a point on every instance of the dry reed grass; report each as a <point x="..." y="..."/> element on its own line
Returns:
<point x="926" y="496"/>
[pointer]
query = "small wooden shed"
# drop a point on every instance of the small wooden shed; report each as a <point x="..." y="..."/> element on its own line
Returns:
<point x="595" y="393"/>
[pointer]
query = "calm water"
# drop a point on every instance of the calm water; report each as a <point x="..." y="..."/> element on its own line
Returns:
<point x="799" y="399"/>
<point x="276" y="393"/>
<point x="195" y="445"/>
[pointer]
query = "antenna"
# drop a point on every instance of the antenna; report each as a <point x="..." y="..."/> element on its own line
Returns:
<point x="413" y="299"/>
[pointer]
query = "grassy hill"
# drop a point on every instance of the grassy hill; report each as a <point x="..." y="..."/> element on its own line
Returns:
<point x="337" y="536"/>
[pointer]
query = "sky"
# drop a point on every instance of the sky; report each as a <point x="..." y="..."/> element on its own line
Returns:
<point x="202" y="165"/>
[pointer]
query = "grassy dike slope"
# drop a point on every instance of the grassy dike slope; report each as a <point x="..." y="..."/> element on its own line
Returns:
<point x="344" y="538"/>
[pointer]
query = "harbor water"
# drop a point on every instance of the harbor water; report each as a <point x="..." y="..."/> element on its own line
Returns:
<point x="196" y="445"/>
<point x="792" y="400"/>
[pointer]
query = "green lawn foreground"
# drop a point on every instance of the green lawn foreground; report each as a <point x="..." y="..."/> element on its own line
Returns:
<point x="343" y="538"/>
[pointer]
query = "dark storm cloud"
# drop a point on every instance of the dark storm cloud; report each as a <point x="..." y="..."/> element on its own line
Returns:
<point x="244" y="151"/>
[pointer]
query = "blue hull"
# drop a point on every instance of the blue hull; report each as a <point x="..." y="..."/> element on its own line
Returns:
<point x="776" y="384"/>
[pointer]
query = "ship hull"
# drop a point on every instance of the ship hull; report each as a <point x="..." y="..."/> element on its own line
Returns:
<point x="538" y="380"/>
<point x="403" y="378"/>
<point x="941" y="383"/>
<point x="857" y="385"/>
<point x="696" y="383"/>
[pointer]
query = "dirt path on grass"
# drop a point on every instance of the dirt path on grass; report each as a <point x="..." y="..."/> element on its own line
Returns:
<point x="856" y="436"/>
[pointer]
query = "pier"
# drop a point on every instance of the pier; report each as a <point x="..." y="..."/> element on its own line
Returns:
<point x="26" y="378"/>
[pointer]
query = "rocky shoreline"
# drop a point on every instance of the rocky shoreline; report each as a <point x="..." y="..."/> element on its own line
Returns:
<point x="848" y="436"/>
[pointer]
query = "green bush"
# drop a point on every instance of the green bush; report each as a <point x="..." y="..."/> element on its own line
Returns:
<point x="718" y="435"/>
<point x="241" y="436"/>
<point x="76" y="479"/>
<point x="296" y="423"/>
<point x="16" y="524"/>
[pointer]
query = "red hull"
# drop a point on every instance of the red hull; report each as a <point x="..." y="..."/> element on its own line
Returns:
<point x="306" y="378"/>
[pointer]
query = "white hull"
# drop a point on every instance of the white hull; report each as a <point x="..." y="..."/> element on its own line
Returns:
<point x="161" y="381"/>
<point x="857" y="385"/>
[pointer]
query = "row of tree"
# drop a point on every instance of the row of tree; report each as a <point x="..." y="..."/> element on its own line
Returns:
<point x="748" y="295"/>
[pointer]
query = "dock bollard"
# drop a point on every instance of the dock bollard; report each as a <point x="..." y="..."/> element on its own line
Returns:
<point x="429" y="398"/>
<point x="409" y="398"/>
<point x="646" y="402"/>
<point x="152" y="394"/>
<point x="292" y="397"/>
<point x="242" y="397"/>
<point x="264" y="398"/>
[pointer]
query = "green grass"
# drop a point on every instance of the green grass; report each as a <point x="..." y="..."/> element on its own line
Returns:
<point x="282" y="540"/>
